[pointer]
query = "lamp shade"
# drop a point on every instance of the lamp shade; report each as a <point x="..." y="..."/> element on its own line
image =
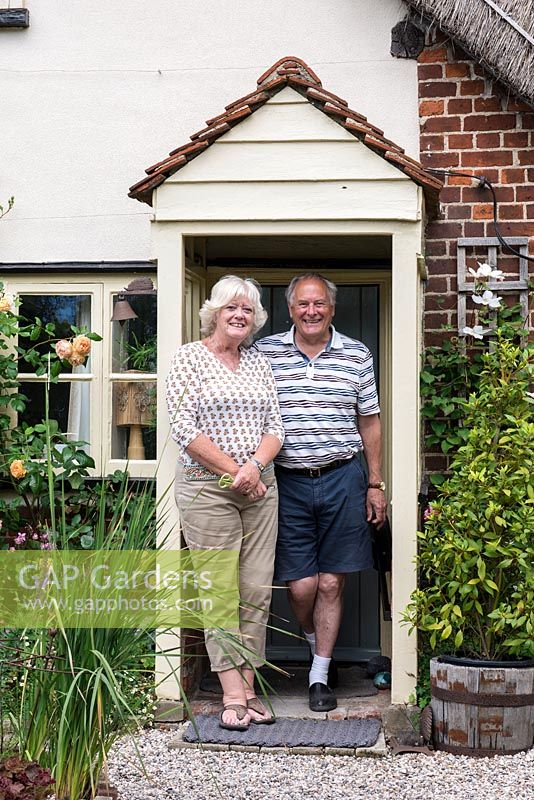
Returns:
<point x="122" y="311"/>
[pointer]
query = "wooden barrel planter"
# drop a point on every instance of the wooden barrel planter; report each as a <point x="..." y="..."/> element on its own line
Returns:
<point x="482" y="708"/>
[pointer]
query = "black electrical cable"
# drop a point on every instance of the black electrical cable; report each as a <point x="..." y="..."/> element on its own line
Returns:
<point x="484" y="183"/>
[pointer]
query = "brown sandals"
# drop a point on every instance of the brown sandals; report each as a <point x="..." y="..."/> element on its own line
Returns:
<point x="259" y="708"/>
<point x="241" y="713"/>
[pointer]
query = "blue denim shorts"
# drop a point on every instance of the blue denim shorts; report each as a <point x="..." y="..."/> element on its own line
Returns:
<point x="322" y="524"/>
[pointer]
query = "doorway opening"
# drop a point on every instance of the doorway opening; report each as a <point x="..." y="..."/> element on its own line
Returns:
<point x="361" y="268"/>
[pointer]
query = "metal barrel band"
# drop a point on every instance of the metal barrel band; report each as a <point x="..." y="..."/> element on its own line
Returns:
<point x="474" y="699"/>
<point x="478" y="752"/>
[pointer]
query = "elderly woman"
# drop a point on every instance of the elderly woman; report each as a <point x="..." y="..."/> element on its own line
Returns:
<point x="225" y="418"/>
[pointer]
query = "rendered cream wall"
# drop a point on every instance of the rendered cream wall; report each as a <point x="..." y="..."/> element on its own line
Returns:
<point x="92" y="93"/>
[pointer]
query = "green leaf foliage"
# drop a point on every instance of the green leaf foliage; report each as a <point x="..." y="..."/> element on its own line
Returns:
<point x="476" y="552"/>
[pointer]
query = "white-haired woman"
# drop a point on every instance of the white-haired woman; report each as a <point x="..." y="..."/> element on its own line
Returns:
<point x="225" y="418"/>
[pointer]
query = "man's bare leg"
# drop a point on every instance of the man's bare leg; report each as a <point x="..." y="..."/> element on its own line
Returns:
<point x="302" y="596"/>
<point x="328" y="612"/>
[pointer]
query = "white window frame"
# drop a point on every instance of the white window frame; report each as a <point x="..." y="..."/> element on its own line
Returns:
<point x="102" y="290"/>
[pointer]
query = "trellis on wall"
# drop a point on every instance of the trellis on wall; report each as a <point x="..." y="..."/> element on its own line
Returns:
<point x="491" y="244"/>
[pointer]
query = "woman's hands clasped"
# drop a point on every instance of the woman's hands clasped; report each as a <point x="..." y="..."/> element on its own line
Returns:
<point x="248" y="482"/>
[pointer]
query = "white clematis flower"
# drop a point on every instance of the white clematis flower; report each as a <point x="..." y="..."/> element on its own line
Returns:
<point x="484" y="272"/>
<point x="477" y="331"/>
<point x="487" y="299"/>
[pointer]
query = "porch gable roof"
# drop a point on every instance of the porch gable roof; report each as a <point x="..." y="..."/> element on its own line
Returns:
<point x="292" y="72"/>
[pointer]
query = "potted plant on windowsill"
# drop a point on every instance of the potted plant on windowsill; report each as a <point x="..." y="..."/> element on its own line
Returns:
<point x="476" y="575"/>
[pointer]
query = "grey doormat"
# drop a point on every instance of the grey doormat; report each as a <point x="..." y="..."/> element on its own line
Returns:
<point x="288" y="733"/>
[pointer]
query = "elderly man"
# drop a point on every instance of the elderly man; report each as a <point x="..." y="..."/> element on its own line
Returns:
<point x="330" y="411"/>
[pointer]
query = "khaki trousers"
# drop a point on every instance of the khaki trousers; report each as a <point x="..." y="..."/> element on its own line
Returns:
<point x="220" y="519"/>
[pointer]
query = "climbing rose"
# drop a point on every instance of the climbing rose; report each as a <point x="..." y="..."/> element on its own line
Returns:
<point x="64" y="349"/>
<point x="17" y="469"/>
<point x="76" y="360"/>
<point x="81" y="345"/>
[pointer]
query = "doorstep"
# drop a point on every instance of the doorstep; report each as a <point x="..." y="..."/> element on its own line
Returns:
<point x="290" y="696"/>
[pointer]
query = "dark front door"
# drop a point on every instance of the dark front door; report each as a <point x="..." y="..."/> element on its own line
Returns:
<point x="357" y="315"/>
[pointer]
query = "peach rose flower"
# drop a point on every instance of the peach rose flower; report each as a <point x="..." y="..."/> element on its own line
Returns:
<point x="64" y="349"/>
<point x="76" y="360"/>
<point x="81" y="345"/>
<point x="17" y="469"/>
<point x="6" y="303"/>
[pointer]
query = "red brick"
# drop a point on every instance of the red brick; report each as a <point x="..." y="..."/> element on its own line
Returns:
<point x="446" y="159"/>
<point x="441" y="266"/>
<point x="530" y="211"/>
<point x="528" y="120"/>
<point x="441" y="124"/>
<point x="429" y="107"/>
<point x="457" y="70"/>
<point x="481" y="158"/>
<point x="460" y="106"/>
<point x="471" y="88"/>
<point x="511" y="211"/>
<point x="436" y="462"/>
<point x="475" y="194"/>
<point x="474" y="229"/>
<point x="518" y="105"/>
<point x="434" y="248"/>
<point x="517" y="228"/>
<point x="526" y="157"/>
<point x="459" y="180"/>
<point x="437" y="89"/>
<point x="458" y="211"/>
<point x="513" y="176"/>
<point x="432" y="142"/>
<point x="483" y="211"/>
<point x="450" y="194"/>
<point x="439" y="302"/>
<point x="488" y="140"/>
<point x="490" y="122"/>
<point x="523" y="193"/>
<point x="487" y="104"/>
<point x="459" y="141"/>
<point x="431" y="56"/>
<point x="437" y="285"/>
<point x="428" y="71"/>
<point x="530" y="174"/>
<point x="444" y="230"/>
<point x="434" y="320"/>
<point x="516" y="139"/>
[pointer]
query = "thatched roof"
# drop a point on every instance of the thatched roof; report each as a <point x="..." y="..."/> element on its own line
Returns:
<point x="499" y="34"/>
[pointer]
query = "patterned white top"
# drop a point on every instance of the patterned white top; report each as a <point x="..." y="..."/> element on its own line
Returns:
<point x="321" y="398"/>
<point x="234" y="409"/>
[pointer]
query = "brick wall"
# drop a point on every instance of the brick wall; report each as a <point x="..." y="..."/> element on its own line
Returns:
<point x="471" y="124"/>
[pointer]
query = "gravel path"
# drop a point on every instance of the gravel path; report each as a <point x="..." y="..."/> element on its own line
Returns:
<point x="197" y="775"/>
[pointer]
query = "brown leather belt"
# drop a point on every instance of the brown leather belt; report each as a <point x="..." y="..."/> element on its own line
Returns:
<point x="315" y="472"/>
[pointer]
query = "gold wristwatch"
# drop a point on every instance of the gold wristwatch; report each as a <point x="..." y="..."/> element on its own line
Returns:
<point x="381" y="486"/>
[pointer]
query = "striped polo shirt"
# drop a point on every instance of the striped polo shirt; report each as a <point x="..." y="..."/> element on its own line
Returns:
<point x="320" y="398"/>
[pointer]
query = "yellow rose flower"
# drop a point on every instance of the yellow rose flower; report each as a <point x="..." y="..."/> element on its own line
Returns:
<point x="17" y="469"/>
<point x="76" y="360"/>
<point x="6" y="303"/>
<point x="81" y="345"/>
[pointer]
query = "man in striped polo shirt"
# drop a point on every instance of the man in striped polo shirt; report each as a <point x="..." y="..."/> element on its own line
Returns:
<point x="329" y="404"/>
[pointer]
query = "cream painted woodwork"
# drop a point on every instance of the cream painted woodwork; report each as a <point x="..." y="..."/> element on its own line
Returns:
<point x="399" y="390"/>
<point x="288" y="160"/>
<point x="102" y="290"/>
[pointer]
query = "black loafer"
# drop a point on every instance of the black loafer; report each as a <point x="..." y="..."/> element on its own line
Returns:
<point x="322" y="698"/>
<point x="332" y="673"/>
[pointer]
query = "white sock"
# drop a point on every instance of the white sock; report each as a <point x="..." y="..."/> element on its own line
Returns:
<point x="319" y="670"/>
<point x="310" y="638"/>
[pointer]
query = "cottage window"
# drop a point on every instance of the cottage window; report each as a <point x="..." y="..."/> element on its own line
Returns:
<point x="110" y="401"/>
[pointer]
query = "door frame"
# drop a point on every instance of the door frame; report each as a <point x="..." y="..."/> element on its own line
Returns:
<point x="402" y="454"/>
